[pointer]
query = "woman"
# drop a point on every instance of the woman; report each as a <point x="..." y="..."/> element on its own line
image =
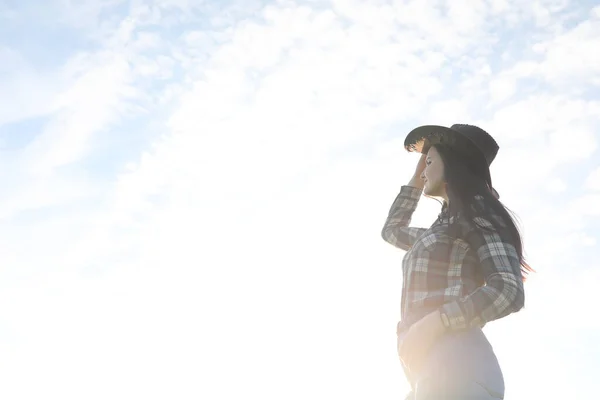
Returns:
<point x="465" y="270"/>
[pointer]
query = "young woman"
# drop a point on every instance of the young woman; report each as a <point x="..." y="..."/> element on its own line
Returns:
<point x="463" y="271"/>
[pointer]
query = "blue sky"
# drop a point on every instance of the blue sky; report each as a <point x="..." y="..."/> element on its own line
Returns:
<point x="193" y="191"/>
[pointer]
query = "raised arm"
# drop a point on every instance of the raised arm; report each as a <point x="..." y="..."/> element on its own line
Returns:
<point x="396" y="229"/>
<point x="503" y="292"/>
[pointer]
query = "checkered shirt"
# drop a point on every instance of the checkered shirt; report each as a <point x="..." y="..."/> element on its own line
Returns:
<point x="473" y="275"/>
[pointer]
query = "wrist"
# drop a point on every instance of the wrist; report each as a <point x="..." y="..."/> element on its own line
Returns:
<point x="416" y="182"/>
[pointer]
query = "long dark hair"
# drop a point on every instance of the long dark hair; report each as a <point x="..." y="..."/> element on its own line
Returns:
<point x="464" y="184"/>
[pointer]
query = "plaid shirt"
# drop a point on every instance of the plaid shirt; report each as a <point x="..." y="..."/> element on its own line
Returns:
<point x="474" y="276"/>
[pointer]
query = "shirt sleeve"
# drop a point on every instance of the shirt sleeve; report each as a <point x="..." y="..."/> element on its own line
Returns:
<point x="396" y="230"/>
<point x="503" y="292"/>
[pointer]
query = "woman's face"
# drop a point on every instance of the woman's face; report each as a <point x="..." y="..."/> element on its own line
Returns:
<point x="433" y="175"/>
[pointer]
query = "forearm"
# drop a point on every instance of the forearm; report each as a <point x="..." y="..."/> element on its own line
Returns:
<point x="499" y="263"/>
<point x="396" y="230"/>
<point x="502" y="295"/>
<point x="416" y="182"/>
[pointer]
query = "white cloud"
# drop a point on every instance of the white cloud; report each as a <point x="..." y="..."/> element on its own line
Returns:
<point x="568" y="55"/>
<point x="83" y="15"/>
<point x="93" y="92"/>
<point x="593" y="180"/>
<point x="552" y="129"/>
<point x="588" y="205"/>
<point x="502" y="89"/>
<point x="92" y="103"/>
<point x="26" y="92"/>
<point x="565" y="56"/>
<point x="246" y="234"/>
<point x="449" y="112"/>
<point x="556" y="186"/>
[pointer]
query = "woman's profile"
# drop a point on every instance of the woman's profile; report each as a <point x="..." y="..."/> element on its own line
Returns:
<point x="465" y="270"/>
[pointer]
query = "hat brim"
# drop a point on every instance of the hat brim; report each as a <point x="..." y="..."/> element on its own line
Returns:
<point x="417" y="141"/>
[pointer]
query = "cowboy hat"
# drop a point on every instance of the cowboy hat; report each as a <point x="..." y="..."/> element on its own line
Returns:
<point x="469" y="139"/>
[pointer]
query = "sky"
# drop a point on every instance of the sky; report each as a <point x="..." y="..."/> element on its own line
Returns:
<point x="193" y="191"/>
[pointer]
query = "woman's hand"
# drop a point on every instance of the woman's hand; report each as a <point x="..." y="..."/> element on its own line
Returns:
<point x="416" y="344"/>
<point x="416" y="180"/>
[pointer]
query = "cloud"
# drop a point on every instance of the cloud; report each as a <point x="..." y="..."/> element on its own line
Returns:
<point x="593" y="180"/>
<point x="66" y="137"/>
<point x="239" y="228"/>
<point x="556" y="186"/>
<point x="564" y="58"/>
<point x="94" y="92"/>
<point x="26" y="92"/>
<point x="502" y="89"/>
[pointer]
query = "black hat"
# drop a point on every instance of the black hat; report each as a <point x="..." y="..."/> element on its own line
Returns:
<point x="471" y="140"/>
